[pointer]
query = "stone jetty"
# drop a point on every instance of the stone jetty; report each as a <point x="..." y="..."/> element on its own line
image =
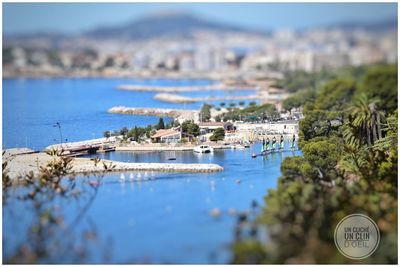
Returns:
<point x="22" y="164"/>
<point x="182" y="89"/>
<point x="175" y="98"/>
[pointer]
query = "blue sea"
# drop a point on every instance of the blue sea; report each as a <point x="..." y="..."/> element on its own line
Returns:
<point x="166" y="220"/>
<point x="31" y="107"/>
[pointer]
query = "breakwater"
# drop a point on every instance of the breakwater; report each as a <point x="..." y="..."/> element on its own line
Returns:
<point x="23" y="164"/>
<point x="175" y="98"/>
<point x="182" y="89"/>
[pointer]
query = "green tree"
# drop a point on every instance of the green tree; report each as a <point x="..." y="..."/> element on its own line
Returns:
<point x="124" y="131"/>
<point x="107" y="134"/>
<point x="367" y="119"/>
<point x="339" y="173"/>
<point x="160" y="124"/>
<point x="298" y="99"/>
<point x="381" y="83"/>
<point x="190" y="128"/>
<point x="205" y="113"/>
<point x="149" y="131"/>
<point x="218" y="135"/>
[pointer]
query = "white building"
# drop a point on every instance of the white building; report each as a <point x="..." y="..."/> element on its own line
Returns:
<point x="280" y="127"/>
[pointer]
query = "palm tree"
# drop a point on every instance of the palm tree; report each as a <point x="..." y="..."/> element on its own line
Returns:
<point x="367" y="119"/>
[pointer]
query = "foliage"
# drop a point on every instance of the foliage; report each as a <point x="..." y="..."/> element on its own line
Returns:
<point x="49" y="237"/>
<point x="190" y="128"/>
<point x="205" y="112"/>
<point x="381" y="83"/>
<point x="160" y="124"/>
<point x="107" y="134"/>
<point x="298" y="99"/>
<point x="251" y="113"/>
<point x="124" y="131"/>
<point x="297" y="80"/>
<point x="218" y="135"/>
<point x="349" y="165"/>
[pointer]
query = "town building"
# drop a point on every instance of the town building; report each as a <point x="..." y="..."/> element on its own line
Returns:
<point x="209" y="127"/>
<point x="166" y="136"/>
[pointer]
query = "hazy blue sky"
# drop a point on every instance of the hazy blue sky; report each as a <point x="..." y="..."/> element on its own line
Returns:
<point x="75" y="17"/>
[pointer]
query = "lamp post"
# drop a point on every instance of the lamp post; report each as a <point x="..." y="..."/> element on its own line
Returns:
<point x="59" y="128"/>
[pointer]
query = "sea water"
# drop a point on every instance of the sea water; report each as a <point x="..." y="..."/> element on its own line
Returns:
<point x="163" y="219"/>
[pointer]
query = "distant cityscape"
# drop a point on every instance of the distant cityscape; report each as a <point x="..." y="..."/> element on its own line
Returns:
<point x="196" y="48"/>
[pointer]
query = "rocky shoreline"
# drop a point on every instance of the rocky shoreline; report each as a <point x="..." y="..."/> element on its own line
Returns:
<point x="184" y="89"/>
<point x="179" y="99"/>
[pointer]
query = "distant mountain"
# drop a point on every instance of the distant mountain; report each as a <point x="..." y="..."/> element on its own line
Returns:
<point x="387" y="24"/>
<point x="178" y="25"/>
<point x="168" y="24"/>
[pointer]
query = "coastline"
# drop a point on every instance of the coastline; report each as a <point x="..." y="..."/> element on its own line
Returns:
<point x="22" y="164"/>
<point x="180" y="114"/>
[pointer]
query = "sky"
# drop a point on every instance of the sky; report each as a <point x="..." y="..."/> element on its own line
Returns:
<point x="78" y="17"/>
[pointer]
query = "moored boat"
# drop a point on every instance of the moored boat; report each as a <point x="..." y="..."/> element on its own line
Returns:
<point x="203" y="149"/>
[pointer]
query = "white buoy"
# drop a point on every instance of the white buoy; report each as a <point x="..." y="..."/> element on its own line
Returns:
<point x="131" y="177"/>
<point x="122" y="177"/>
<point x="139" y="175"/>
<point x="145" y="174"/>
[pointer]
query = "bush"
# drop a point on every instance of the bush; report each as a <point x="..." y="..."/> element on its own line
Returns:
<point x="218" y="135"/>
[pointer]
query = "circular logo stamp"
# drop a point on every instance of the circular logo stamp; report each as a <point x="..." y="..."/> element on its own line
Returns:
<point x="357" y="236"/>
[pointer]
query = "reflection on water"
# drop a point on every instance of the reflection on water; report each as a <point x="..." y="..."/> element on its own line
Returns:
<point x="167" y="219"/>
<point x="32" y="106"/>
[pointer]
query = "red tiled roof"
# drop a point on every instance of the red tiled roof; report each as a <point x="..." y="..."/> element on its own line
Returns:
<point x="164" y="132"/>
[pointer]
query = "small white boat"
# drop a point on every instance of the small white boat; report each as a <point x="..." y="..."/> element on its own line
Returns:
<point x="122" y="177"/>
<point x="131" y="177"/>
<point x="238" y="146"/>
<point x="203" y="149"/>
